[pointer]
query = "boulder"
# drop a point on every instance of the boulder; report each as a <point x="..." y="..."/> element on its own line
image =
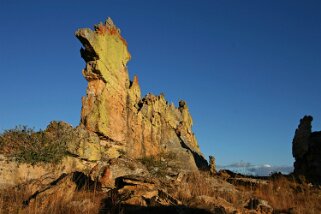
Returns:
<point x="259" y="205"/>
<point x="144" y="191"/>
<point x="62" y="188"/>
<point x="108" y="172"/>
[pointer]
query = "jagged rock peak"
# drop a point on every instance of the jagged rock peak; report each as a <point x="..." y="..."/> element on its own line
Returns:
<point x="113" y="107"/>
<point x="108" y="27"/>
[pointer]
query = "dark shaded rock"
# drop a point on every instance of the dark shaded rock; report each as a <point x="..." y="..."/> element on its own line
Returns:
<point x="301" y="137"/>
<point x="307" y="151"/>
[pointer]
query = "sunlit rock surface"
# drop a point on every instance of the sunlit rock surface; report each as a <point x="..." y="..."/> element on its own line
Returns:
<point x="113" y="107"/>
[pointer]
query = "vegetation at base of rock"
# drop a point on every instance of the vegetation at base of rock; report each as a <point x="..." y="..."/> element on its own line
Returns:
<point x="26" y="145"/>
<point x="159" y="165"/>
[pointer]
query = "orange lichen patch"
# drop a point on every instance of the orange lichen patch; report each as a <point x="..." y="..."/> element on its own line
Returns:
<point x="101" y="28"/>
<point x="113" y="30"/>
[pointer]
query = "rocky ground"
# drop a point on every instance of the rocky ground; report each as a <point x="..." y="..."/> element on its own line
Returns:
<point x="124" y="185"/>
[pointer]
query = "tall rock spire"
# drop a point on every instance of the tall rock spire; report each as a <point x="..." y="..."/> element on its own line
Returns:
<point x="106" y="56"/>
<point x="114" y="109"/>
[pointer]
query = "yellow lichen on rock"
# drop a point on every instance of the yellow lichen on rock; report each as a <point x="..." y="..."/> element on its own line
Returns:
<point x="106" y="56"/>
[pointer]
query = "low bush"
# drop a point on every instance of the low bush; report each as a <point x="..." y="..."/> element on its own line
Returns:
<point x="159" y="165"/>
<point x="28" y="146"/>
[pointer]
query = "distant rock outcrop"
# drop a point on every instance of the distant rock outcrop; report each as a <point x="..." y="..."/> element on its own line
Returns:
<point x="306" y="149"/>
<point x="113" y="107"/>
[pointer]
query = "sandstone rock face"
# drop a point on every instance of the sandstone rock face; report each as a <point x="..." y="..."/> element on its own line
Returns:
<point x="85" y="144"/>
<point x="306" y="149"/>
<point x="13" y="173"/>
<point x="113" y="107"/>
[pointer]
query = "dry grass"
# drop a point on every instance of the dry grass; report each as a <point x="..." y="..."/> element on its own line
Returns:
<point x="203" y="184"/>
<point x="11" y="201"/>
<point x="285" y="193"/>
<point x="282" y="193"/>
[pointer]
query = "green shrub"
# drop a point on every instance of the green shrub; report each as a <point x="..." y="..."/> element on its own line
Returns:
<point x="12" y="139"/>
<point x="28" y="146"/>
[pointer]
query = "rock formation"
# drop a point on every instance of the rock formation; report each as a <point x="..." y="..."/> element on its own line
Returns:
<point x="113" y="107"/>
<point x="212" y="165"/>
<point x="306" y="149"/>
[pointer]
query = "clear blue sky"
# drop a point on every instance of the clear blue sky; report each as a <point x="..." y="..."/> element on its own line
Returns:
<point x="249" y="70"/>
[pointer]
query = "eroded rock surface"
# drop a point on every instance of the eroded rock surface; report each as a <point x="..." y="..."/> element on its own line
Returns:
<point x="13" y="173"/>
<point x="306" y="149"/>
<point x="113" y="107"/>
